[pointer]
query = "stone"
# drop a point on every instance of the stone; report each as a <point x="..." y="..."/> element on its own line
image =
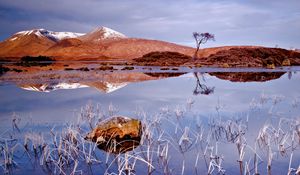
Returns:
<point x="118" y="134"/>
<point x="286" y="62"/>
<point x="270" y="66"/>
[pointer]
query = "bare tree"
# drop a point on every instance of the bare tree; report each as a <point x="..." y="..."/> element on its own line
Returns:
<point x="202" y="38"/>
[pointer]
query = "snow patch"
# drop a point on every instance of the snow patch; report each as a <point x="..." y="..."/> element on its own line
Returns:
<point x="114" y="86"/>
<point x="53" y="87"/>
<point x="105" y="33"/>
<point x="55" y="36"/>
<point x="109" y="87"/>
<point x="62" y="35"/>
<point x="109" y="33"/>
<point x="14" y="38"/>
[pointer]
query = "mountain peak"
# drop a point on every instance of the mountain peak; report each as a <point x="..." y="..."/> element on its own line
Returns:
<point x="28" y="32"/>
<point x="102" y="33"/>
<point x="108" y="31"/>
<point x="100" y="28"/>
<point x="54" y="36"/>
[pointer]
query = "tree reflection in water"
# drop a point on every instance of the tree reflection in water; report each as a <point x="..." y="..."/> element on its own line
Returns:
<point x="202" y="88"/>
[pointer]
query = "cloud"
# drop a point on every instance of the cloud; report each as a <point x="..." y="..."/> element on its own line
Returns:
<point x="233" y="22"/>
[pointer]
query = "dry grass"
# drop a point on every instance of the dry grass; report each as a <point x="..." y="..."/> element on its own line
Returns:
<point x="252" y="57"/>
<point x="165" y="134"/>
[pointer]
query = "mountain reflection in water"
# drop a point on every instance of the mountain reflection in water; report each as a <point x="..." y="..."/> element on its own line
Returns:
<point x="108" y="82"/>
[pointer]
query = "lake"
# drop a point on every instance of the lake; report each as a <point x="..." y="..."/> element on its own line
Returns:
<point x="194" y="120"/>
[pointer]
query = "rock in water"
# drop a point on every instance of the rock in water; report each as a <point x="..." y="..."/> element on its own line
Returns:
<point x="117" y="134"/>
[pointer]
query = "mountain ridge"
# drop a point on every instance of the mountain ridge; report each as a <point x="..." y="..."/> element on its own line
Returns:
<point x="96" y="44"/>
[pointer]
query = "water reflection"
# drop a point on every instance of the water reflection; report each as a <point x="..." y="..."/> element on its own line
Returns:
<point x="202" y="88"/>
<point x="165" y="74"/>
<point x="247" y="76"/>
<point x="108" y="82"/>
<point x="104" y="87"/>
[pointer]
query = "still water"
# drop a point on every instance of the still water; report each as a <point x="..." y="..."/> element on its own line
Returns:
<point x="204" y="122"/>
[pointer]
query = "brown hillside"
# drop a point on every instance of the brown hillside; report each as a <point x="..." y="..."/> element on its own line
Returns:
<point x="68" y="42"/>
<point x="25" y="45"/>
<point x="133" y="48"/>
<point x="228" y="57"/>
<point x="162" y="59"/>
<point x="120" y="48"/>
<point x="251" y="57"/>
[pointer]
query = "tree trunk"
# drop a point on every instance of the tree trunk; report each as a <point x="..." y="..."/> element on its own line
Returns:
<point x="196" y="53"/>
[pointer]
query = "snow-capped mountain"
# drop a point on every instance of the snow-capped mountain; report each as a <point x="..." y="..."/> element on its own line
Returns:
<point x="54" y="36"/>
<point x="102" y="33"/>
<point x="105" y="87"/>
<point x="52" y="87"/>
<point x="109" y="33"/>
<point x="98" y="34"/>
<point x="102" y="42"/>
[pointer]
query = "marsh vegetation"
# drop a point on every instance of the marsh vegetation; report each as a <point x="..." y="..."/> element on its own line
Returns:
<point x="168" y="144"/>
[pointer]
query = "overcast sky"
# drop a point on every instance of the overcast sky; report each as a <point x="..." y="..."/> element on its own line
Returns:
<point x="256" y="22"/>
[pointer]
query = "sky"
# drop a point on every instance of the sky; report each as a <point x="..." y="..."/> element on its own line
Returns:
<point x="234" y="22"/>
